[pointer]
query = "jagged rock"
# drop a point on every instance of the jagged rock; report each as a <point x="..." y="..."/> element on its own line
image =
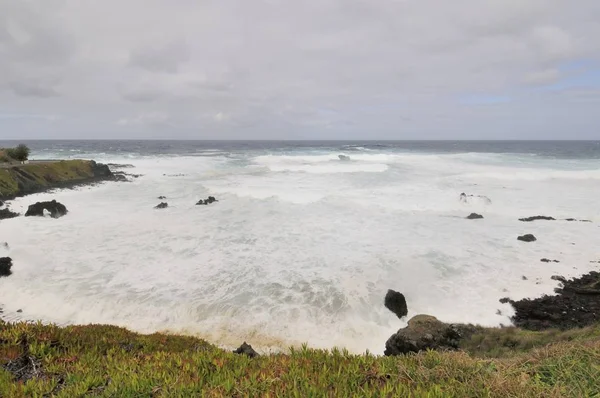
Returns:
<point x="527" y="238"/>
<point x="504" y="300"/>
<point x="474" y="216"/>
<point x="6" y="214"/>
<point x="576" y="304"/>
<point x="246" y="349"/>
<point x="396" y="303"/>
<point x="162" y="205"/>
<point x="425" y="332"/>
<point x="120" y="176"/>
<point x="55" y="209"/>
<point x="208" y="201"/>
<point x="535" y="218"/>
<point x="5" y="266"/>
<point x="162" y="197"/>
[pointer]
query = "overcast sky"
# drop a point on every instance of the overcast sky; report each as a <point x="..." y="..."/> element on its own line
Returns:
<point x="300" y="69"/>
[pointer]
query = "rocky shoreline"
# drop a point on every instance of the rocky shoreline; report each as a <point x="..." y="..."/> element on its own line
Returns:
<point x="576" y="303"/>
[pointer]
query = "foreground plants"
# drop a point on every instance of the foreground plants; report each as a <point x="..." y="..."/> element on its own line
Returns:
<point x="106" y="361"/>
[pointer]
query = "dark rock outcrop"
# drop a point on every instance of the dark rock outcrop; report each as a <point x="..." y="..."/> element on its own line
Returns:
<point x="211" y="199"/>
<point x="55" y="208"/>
<point x="6" y="214"/>
<point x="535" y="218"/>
<point x="162" y="205"/>
<point x="162" y="197"/>
<point x="547" y="260"/>
<point x="474" y="216"/>
<point x="527" y="238"/>
<point x="1" y="203"/>
<point x="396" y="303"/>
<point x="504" y="300"/>
<point x="5" y="266"/>
<point x="576" y="304"/>
<point x="246" y="349"/>
<point x="425" y="332"/>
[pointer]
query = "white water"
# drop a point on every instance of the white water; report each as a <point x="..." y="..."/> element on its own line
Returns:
<point x="301" y="248"/>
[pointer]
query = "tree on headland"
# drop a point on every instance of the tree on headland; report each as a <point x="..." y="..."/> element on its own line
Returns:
<point x="20" y="153"/>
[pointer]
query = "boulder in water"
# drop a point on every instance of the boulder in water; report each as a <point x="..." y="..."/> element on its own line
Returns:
<point x="344" y="157"/>
<point x="162" y="197"/>
<point x="162" y="205"/>
<point x="535" y="218"/>
<point x="425" y="332"/>
<point x="6" y="214"/>
<point x="211" y="199"/>
<point x="396" y="303"/>
<point x="474" y="216"/>
<point x="527" y="238"/>
<point x="5" y="266"/>
<point x="246" y="349"/>
<point x="55" y="209"/>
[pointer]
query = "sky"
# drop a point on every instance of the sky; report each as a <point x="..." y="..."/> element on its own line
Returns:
<point x="290" y="69"/>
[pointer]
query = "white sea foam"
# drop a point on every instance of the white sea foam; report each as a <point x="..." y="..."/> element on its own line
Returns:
<point x="300" y="248"/>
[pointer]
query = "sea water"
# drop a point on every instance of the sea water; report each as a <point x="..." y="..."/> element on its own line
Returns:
<point x="302" y="245"/>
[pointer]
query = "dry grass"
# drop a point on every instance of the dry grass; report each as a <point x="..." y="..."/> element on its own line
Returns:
<point x="106" y="361"/>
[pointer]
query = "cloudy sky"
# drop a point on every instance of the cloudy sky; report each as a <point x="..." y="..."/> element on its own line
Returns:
<point x="300" y="69"/>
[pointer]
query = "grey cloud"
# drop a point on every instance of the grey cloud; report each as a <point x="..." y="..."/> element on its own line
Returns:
<point x="242" y="69"/>
<point x="166" y="58"/>
<point x="33" y="89"/>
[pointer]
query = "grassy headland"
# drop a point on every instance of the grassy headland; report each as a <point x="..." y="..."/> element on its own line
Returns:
<point x="23" y="179"/>
<point x="107" y="361"/>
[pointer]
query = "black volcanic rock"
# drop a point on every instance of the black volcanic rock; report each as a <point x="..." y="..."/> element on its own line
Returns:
<point x="55" y="208"/>
<point x="527" y="238"/>
<point x="162" y="205"/>
<point x="5" y="266"/>
<point x="396" y="303"/>
<point x="6" y="214"/>
<point x="576" y="304"/>
<point x="246" y="349"/>
<point x="535" y="218"/>
<point x="211" y="199"/>
<point x="474" y="216"/>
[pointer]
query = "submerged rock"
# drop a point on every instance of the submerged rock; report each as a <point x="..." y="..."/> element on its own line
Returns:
<point x="463" y="197"/>
<point x="246" y="349"/>
<point x="162" y="197"/>
<point x="425" y="332"/>
<point x="162" y="205"/>
<point x="344" y="157"/>
<point x="396" y="303"/>
<point x="547" y="260"/>
<point x="5" y="266"/>
<point x="576" y="304"/>
<point x="5" y="214"/>
<point x="474" y="216"/>
<point x="211" y="199"/>
<point x="535" y="218"/>
<point x="527" y="238"/>
<point x="55" y="209"/>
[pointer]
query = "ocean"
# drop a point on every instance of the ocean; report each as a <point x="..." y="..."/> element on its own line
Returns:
<point x="306" y="239"/>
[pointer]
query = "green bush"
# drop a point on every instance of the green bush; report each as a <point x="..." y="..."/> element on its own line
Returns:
<point x="20" y="153"/>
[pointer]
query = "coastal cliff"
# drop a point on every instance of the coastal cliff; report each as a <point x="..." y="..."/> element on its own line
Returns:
<point x="25" y="179"/>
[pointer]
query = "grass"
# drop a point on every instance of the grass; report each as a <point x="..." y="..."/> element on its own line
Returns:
<point x="107" y="361"/>
<point x="38" y="175"/>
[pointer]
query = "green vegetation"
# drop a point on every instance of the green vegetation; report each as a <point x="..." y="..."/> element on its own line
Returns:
<point x="18" y="154"/>
<point x="34" y="177"/>
<point x="107" y="361"/>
